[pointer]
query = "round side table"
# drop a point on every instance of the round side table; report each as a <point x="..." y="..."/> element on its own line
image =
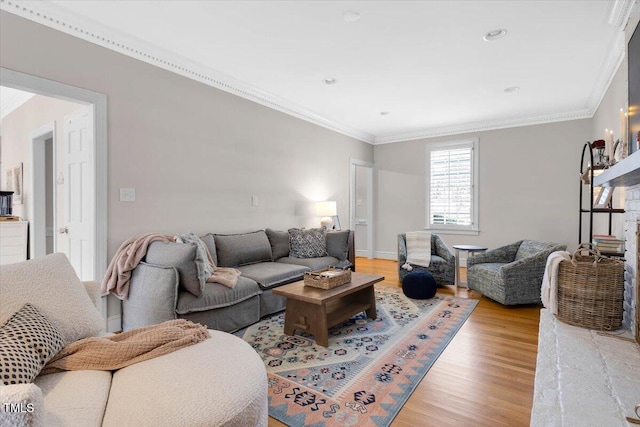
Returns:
<point x="470" y="249"/>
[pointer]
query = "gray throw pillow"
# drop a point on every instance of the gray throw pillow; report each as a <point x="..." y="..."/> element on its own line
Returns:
<point x="181" y="256"/>
<point x="279" y="241"/>
<point x="311" y="243"/>
<point x="211" y="245"/>
<point x="27" y="342"/>
<point x="235" y="250"/>
<point x="338" y="244"/>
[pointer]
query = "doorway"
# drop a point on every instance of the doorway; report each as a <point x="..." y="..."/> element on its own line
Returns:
<point x="42" y="212"/>
<point x="361" y="212"/>
<point x="97" y="104"/>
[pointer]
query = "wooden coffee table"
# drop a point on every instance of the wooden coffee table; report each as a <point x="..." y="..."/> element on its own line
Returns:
<point x="315" y="310"/>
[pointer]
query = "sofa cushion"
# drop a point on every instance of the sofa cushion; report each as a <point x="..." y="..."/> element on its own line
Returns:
<point x="270" y="274"/>
<point x="31" y="404"/>
<point x="531" y="247"/>
<point x="27" y="342"/>
<point x="75" y="398"/>
<point x="182" y="256"/>
<point x="218" y="382"/>
<point x="308" y="243"/>
<point x="51" y="285"/>
<point x="279" y="241"/>
<point x="312" y="263"/>
<point x="338" y="244"/>
<point x="234" y="250"/>
<point x="210" y="242"/>
<point x="153" y="296"/>
<point x="216" y="295"/>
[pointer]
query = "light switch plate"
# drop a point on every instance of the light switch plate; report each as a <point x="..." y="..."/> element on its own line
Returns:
<point x="127" y="194"/>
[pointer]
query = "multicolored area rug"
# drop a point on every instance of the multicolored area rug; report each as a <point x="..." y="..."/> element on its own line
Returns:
<point x="370" y="368"/>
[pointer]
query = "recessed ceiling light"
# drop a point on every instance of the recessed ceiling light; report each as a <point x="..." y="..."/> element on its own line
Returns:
<point x="385" y="113"/>
<point x="494" y="35"/>
<point x="351" y="16"/>
<point x="512" y="89"/>
<point x="330" y="81"/>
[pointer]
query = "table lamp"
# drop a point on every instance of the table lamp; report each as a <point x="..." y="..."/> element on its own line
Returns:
<point x="326" y="210"/>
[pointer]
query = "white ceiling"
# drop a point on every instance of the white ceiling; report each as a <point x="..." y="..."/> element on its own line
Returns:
<point x="425" y="62"/>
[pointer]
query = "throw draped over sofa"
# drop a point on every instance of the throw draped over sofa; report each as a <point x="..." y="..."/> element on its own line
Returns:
<point x="511" y="274"/>
<point x="442" y="265"/>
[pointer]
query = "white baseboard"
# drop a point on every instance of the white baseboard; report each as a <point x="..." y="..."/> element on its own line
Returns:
<point x="387" y="255"/>
<point x="361" y="252"/>
<point x="114" y="323"/>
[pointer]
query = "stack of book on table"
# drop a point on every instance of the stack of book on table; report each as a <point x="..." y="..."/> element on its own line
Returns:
<point x="608" y="243"/>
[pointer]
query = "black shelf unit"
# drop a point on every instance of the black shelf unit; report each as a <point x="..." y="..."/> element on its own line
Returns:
<point x="591" y="210"/>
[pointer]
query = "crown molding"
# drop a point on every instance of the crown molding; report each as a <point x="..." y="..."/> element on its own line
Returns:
<point x="60" y="19"/>
<point x="484" y="126"/>
<point x="618" y="13"/>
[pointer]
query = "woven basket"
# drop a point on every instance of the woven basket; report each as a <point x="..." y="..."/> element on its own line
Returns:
<point x="591" y="290"/>
<point x="328" y="278"/>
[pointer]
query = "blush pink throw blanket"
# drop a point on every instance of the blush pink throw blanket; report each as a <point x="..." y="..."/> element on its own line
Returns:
<point x="131" y="252"/>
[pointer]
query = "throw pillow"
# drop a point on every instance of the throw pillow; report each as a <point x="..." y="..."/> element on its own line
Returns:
<point x="27" y="342"/>
<point x="51" y="284"/>
<point x="211" y="245"/>
<point x="203" y="266"/>
<point x="311" y="243"/>
<point x="338" y="244"/>
<point x="181" y="256"/>
<point x="28" y="398"/>
<point x="279" y="241"/>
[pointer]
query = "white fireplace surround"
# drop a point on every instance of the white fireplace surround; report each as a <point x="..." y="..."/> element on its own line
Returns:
<point x="583" y="378"/>
<point x="626" y="173"/>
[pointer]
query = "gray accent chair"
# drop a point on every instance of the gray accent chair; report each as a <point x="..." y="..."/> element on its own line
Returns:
<point x="511" y="274"/>
<point x="442" y="265"/>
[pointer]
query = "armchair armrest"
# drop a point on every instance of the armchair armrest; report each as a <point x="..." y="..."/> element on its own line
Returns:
<point x="442" y="250"/>
<point x="153" y="295"/>
<point x="503" y="254"/>
<point x="93" y="289"/>
<point x="402" y="249"/>
<point x="528" y="270"/>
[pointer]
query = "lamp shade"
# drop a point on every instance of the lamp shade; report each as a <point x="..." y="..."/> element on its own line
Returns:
<point x="326" y="208"/>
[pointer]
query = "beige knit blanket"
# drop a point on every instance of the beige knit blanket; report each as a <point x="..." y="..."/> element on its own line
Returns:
<point x="127" y="257"/>
<point x="120" y="350"/>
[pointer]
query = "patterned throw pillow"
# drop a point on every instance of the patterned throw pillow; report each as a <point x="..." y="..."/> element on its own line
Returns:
<point x="309" y="243"/>
<point x="27" y="342"/>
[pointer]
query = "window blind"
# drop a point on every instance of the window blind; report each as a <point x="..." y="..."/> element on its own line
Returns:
<point x="451" y="187"/>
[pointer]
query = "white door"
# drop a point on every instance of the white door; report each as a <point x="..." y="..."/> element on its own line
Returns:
<point x="80" y="193"/>
<point x="361" y="207"/>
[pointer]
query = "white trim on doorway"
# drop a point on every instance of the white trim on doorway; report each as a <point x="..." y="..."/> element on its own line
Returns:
<point x="369" y="253"/>
<point x="98" y="101"/>
<point x="38" y="191"/>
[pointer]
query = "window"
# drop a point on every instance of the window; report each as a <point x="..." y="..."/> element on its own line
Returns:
<point x="452" y="190"/>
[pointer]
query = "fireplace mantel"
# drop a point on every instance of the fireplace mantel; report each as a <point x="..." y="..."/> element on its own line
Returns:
<point x="625" y="173"/>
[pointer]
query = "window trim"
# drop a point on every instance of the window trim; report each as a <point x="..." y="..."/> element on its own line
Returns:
<point x="474" y="228"/>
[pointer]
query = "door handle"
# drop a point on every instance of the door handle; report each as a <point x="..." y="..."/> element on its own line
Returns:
<point x="63" y="230"/>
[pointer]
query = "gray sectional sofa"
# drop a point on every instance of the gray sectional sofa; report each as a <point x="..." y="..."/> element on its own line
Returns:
<point x="159" y="285"/>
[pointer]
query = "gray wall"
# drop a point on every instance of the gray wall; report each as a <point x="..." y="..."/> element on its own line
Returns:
<point x="528" y="186"/>
<point x="194" y="154"/>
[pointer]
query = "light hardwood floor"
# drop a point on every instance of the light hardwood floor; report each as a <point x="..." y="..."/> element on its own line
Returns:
<point x="485" y="375"/>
